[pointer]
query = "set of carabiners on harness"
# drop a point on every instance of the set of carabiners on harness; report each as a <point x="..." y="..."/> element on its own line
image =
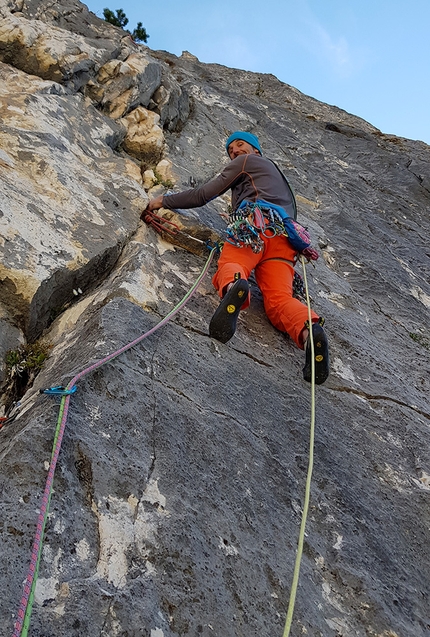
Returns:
<point x="250" y="222"/>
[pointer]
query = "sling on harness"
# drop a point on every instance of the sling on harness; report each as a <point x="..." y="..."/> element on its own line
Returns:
<point x="293" y="205"/>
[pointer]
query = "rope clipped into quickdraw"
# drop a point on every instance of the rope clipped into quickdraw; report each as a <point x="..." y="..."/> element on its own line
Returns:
<point x="58" y="390"/>
<point x="22" y="623"/>
<point x="300" y="542"/>
<point x="163" y="225"/>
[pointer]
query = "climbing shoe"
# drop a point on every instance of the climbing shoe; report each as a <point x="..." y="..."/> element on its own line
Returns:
<point x="321" y="355"/>
<point x="223" y="323"/>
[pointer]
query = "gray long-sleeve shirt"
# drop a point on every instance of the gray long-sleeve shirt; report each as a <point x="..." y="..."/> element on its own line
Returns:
<point x="250" y="177"/>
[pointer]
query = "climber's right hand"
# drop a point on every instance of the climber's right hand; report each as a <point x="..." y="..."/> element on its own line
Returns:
<point x="155" y="204"/>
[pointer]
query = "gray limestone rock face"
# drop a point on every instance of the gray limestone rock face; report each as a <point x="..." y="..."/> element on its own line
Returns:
<point x="179" y="488"/>
<point x="171" y="100"/>
<point x="68" y="202"/>
<point x="120" y="86"/>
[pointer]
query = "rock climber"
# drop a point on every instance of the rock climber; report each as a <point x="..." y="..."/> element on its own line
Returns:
<point x="252" y="244"/>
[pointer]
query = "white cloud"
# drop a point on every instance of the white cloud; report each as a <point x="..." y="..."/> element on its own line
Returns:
<point x="324" y="46"/>
<point x="335" y="51"/>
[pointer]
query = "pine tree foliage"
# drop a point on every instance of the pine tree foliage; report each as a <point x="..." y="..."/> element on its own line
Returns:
<point x="139" y="34"/>
<point x="119" y="19"/>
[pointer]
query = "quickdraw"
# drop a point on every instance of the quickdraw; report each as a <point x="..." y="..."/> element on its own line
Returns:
<point x="58" y="390"/>
<point x="160" y="223"/>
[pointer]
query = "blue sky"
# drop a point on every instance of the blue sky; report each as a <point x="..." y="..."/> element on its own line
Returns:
<point x="371" y="58"/>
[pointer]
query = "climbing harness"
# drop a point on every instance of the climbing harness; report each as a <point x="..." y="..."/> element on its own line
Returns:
<point x="253" y="220"/>
<point x="296" y="573"/>
<point x="22" y="622"/>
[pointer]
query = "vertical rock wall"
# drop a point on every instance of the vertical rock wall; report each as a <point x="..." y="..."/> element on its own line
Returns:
<point x="179" y="488"/>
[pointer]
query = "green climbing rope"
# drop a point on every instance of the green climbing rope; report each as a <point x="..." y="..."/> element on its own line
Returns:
<point x="299" y="553"/>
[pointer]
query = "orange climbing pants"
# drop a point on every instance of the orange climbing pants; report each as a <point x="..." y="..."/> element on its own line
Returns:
<point x="274" y="275"/>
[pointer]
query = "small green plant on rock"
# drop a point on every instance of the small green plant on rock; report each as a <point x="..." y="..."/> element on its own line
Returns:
<point x="27" y="359"/>
<point x="120" y="20"/>
<point x="22" y="366"/>
<point x="167" y="183"/>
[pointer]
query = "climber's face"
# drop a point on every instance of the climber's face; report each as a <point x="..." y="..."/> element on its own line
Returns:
<point x="240" y="147"/>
